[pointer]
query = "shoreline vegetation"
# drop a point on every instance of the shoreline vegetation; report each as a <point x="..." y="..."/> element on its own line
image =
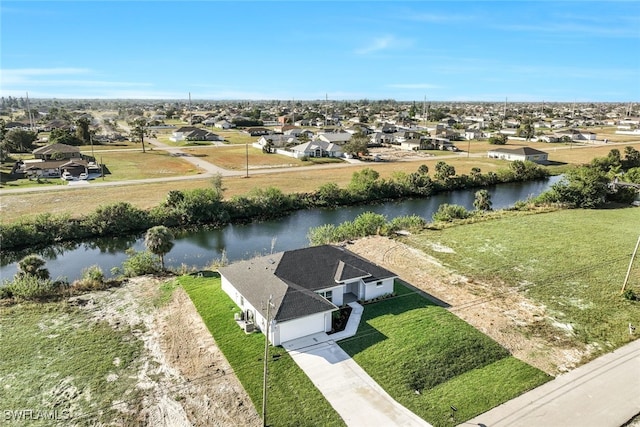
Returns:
<point x="206" y="207"/>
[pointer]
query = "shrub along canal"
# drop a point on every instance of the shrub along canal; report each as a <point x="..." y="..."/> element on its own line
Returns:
<point x="240" y="241"/>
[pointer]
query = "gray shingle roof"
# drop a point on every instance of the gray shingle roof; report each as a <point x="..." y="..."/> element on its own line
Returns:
<point x="293" y="277"/>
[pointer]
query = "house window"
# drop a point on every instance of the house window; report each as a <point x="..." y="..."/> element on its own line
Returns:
<point x="328" y="295"/>
<point x="378" y="284"/>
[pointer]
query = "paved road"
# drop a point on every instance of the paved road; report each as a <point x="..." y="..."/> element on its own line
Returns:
<point x="602" y="393"/>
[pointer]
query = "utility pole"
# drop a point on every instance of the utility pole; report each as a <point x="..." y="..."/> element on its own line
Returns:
<point x="626" y="279"/>
<point x="247" y="150"/>
<point x="266" y="358"/>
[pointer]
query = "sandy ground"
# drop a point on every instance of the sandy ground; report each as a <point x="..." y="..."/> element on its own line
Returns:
<point x="518" y="324"/>
<point x="185" y="378"/>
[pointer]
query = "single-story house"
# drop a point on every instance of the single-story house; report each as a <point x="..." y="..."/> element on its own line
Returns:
<point x="224" y="125"/>
<point x="57" y="152"/>
<point x="317" y="148"/>
<point x="277" y="141"/>
<point x="379" y="138"/>
<point x="522" y="154"/>
<point x="578" y="135"/>
<point x="52" y="168"/>
<point x="305" y="287"/>
<point x="257" y="131"/>
<point x="335" y="138"/>
<point x="190" y="133"/>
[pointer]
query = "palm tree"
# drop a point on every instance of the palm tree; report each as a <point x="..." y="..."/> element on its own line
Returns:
<point x="159" y="240"/>
<point x="482" y="201"/>
<point x="32" y="265"/>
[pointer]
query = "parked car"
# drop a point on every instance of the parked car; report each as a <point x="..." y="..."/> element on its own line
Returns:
<point x="84" y="175"/>
<point x="67" y="176"/>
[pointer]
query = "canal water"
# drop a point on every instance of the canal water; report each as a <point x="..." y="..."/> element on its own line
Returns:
<point x="240" y="241"/>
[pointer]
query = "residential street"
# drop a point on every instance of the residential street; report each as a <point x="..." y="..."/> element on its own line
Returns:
<point x="602" y="393"/>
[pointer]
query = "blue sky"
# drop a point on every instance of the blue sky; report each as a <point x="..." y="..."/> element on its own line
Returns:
<point x="444" y="51"/>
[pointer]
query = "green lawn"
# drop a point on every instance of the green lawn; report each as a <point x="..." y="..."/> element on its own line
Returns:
<point x="52" y="357"/>
<point x="293" y="400"/>
<point x="571" y="261"/>
<point x="429" y="360"/>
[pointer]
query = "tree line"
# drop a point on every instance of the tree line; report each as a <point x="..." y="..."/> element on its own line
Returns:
<point x="206" y="206"/>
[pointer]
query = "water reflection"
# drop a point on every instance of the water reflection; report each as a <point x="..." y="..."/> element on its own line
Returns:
<point x="240" y="241"/>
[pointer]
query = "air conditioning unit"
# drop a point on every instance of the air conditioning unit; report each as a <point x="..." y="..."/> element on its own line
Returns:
<point x="249" y="327"/>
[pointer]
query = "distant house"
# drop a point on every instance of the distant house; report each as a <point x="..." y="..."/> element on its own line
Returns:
<point x="305" y="286"/>
<point x="57" y="152"/>
<point x="191" y="133"/>
<point x="223" y="124"/>
<point x="257" y="131"/>
<point x="297" y="132"/>
<point x="379" y="138"/>
<point x="276" y="140"/>
<point x="52" y="160"/>
<point x="335" y="138"/>
<point x="473" y="134"/>
<point x="522" y="154"/>
<point x="550" y="138"/>
<point x="578" y="135"/>
<point x="317" y="148"/>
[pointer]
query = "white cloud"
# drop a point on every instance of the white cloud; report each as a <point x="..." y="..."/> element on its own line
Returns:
<point x="383" y="43"/>
<point x="22" y="75"/>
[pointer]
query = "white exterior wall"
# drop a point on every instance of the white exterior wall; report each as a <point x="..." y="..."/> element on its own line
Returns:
<point x="177" y="136"/>
<point x="259" y="319"/>
<point x="371" y="290"/>
<point x="537" y="157"/>
<point x="303" y="326"/>
<point x="337" y="294"/>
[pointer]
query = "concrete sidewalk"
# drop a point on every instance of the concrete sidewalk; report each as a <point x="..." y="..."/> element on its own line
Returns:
<point x="358" y="399"/>
<point x="601" y="393"/>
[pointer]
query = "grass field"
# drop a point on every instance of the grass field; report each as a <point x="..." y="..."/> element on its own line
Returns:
<point x="233" y="136"/>
<point x="153" y="164"/>
<point x="55" y="358"/>
<point x="428" y="359"/>
<point x="147" y="195"/>
<point x="571" y="261"/>
<point x="139" y="165"/>
<point x="292" y="400"/>
<point x="234" y="157"/>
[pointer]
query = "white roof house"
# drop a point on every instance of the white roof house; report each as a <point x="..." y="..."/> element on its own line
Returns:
<point x="522" y="154"/>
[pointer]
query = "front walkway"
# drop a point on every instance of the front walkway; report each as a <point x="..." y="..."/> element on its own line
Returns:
<point x="358" y="399"/>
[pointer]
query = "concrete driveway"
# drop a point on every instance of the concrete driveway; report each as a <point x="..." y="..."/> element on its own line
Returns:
<point x="358" y="399"/>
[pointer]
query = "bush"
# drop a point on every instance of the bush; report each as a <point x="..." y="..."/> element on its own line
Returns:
<point x="32" y="265"/>
<point x="630" y="295"/>
<point x="92" y="278"/>
<point x="4" y="290"/>
<point x="30" y="287"/>
<point x="407" y="222"/>
<point x="448" y="213"/>
<point x="140" y="263"/>
<point x="116" y="219"/>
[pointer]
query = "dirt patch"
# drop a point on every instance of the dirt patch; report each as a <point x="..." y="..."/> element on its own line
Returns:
<point x="184" y="378"/>
<point x="210" y="393"/>
<point x="500" y="311"/>
<point x="394" y="154"/>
